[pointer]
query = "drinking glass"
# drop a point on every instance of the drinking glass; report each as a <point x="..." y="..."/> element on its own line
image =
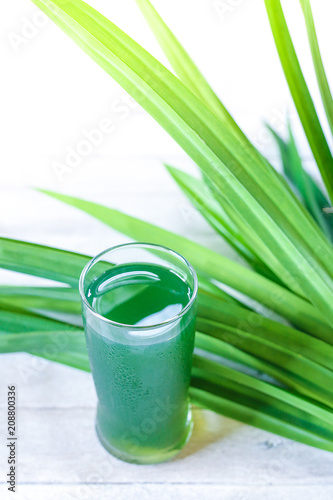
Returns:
<point x="139" y="308"/>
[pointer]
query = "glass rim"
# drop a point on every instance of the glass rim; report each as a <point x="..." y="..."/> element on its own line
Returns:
<point x="166" y="322"/>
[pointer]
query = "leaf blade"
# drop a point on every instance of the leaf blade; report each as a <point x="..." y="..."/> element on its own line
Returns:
<point x="322" y="80"/>
<point x="39" y="260"/>
<point x="312" y="197"/>
<point x="300" y="93"/>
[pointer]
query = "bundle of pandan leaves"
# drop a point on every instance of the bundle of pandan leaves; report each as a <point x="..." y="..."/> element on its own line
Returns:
<point x="281" y="373"/>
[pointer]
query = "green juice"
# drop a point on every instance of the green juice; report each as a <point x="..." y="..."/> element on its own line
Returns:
<point x="141" y="379"/>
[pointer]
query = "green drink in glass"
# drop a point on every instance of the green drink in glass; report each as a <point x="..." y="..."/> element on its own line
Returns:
<point x="139" y="306"/>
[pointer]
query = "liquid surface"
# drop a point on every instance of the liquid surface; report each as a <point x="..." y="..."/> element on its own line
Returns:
<point x="139" y="294"/>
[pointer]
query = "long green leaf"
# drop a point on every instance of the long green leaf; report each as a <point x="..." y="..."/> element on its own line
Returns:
<point x="34" y="340"/>
<point x="300" y="93"/>
<point x="207" y="288"/>
<point x="199" y="194"/>
<point x="61" y="346"/>
<point x="303" y="374"/>
<point x="17" y="320"/>
<point x="242" y="179"/>
<point x="249" y="246"/>
<point x="59" y="299"/>
<point x="230" y="350"/>
<point x="42" y="261"/>
<point x="311" y="195"/>
<point x="185" y="68"/>
<point x="229" y="378"/>
<point x="324" y="87"/>
<point x="209" y="395"/>
<point x="300" y="343"/>
<point x="287" y="304"/>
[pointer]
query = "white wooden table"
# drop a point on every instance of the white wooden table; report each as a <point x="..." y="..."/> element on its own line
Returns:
<point x="59" y="456"/>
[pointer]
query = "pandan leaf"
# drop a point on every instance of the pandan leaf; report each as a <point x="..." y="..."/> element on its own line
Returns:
<point x="323" y="84"/>
<point x="312" y="196"/>
<point x="227" y="223"/>
<point x="300" y="93"/>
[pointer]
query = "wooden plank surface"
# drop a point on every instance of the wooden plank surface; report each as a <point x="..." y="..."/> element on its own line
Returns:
<point x="171" y="491"/>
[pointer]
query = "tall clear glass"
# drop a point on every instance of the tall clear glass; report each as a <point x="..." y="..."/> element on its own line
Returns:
<point x="139" y="308"/>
